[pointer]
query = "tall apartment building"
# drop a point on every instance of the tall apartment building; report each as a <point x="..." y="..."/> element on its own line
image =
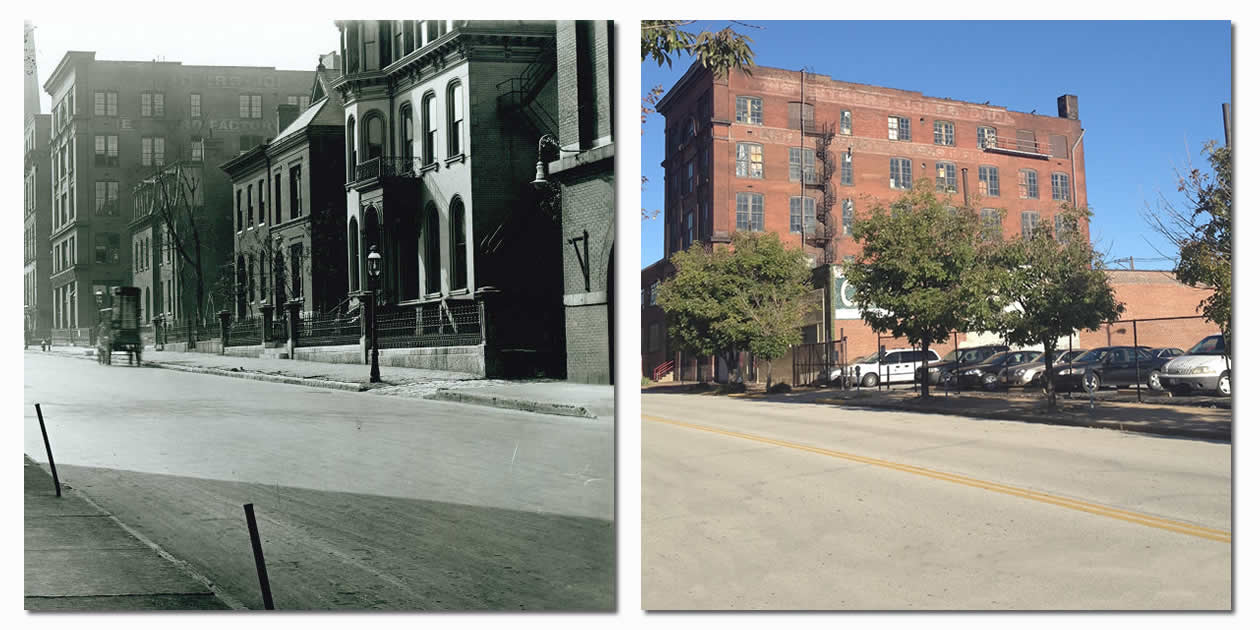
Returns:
<point x="443" y="121"/>
<point x="770" y="150"/>
<point x="36" y="221"/>
<point x="116" y="123"/>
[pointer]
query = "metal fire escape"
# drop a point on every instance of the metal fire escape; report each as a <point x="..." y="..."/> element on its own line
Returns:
<point x="518" y="95"/>
<point x="825" y="227"/>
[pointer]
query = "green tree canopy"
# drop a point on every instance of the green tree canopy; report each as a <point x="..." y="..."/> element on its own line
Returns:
<point x="1052" y="284"/>
<point x="921" y="272"/>
<point x="662" y="40"/>
<point x="750" y="297"/>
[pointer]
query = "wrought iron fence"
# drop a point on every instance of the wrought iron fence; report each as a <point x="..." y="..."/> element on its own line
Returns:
<point x="379" y="167"/>
<point x="245" y="332"/>
<point x="329" y="330"/>
<point x="73" y="336"/>
<point x="455" y="323"/>
<point x="180" y="332"/>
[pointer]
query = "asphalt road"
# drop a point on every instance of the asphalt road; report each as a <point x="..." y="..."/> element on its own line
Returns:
<point x="774" y="505"/>
<point x="364" y="502"/>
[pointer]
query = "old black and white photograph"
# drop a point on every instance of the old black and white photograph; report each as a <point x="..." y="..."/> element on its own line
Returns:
<point x="318" y="315"/>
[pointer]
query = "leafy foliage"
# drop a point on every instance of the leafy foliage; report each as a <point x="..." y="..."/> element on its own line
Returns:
<point x="749" y="297"/>
<point x="1054" y="285"/>
<point x="662" y="40"/>
<point x="921" y="273"/>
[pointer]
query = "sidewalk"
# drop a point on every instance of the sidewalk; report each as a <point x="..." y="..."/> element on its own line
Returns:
<point x="1154" y="418"/>
<point x="78" y="558"/>
<point x="540" y="396"/>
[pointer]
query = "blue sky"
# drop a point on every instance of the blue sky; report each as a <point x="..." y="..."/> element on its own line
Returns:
<point x="1150" y="96"/>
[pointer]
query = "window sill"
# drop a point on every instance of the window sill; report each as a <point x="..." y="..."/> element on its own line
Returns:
<point x="460" y="292"/>
<point x="431" y="166"/>
<point x="456" y="158"/>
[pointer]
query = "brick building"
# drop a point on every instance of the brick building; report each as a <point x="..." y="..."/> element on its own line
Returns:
<point x="1153" y="295"/>
<point x="584" y="172"/>
<point x="37" y="261"/>
<point x="442" y="126"/>
<point x="116" y="123"/>
<point x="288" y="216"/>
<point x="804" y="155"/>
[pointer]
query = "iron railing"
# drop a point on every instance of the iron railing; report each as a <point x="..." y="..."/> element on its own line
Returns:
<point x="381" y="167"/>
<point x="329" y="330"/>
<point x="244" y="332"/>
<point x="1017" y="146"/>
<point x="453" y="323"/>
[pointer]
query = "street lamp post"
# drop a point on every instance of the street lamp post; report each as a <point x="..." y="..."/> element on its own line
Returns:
<point x="374" y="276"/>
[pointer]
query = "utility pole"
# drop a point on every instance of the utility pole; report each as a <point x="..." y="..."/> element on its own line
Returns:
<point x="1226" y="115"/>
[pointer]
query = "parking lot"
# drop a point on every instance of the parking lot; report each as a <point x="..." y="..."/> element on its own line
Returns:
<point x="1123" y="394"/>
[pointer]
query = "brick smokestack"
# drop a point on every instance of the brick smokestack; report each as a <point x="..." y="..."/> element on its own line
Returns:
<point x="285" y="115"/>
<point x="1068" y="107"/>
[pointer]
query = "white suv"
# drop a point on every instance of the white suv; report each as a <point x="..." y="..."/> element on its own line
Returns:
<point x="1204" y="368"/>
<point x="897" y="367"/>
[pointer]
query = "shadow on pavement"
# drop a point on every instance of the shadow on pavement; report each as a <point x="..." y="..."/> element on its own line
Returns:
<point x="336" y="550"/>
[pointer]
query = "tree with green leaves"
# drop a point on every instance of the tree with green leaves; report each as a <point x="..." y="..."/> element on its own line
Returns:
<point x="1202" y="232"/>
<point x="751" y="296"/>
<point x="921" y="272"/>
<point x="1054" y="284"/>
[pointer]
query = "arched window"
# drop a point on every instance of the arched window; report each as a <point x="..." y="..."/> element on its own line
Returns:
<point x="432" y="249"/>
<point x="408" y="132"/>
<point x="352" y="158"/>
<point x="352" y="238"/>
<point x="459" y="246"/>
<point x="374" y="138"/>
<point x="429" y="125"/>
<point x="454" y="118"/>
<point x="240" y="288"/>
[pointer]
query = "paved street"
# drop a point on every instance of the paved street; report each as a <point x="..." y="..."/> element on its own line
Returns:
<point x="364" y="502"/>
<point x="777" y="505"/>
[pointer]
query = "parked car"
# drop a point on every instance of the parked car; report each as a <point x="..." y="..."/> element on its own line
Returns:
<point x="1204" y="368"/>
<point x="957" y="358"/>
<point x="1111" y="366"/>
<point x="985" y="373"/>
<point x="1167" y="353"/>
<point x="1031" y="373"/>
<point x="897" y="367"/>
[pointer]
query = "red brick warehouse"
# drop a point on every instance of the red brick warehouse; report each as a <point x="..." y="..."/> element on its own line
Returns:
<point x="737" y="147"/>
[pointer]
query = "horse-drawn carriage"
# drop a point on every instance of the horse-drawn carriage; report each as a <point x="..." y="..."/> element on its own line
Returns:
<point x="119" y="329"/>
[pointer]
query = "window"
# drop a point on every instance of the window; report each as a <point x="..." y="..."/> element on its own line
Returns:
<point x="795" y="158"/>
<point x="263" y="269"/>
<point x="846" y="217"/>
<point x="408" y="133"/>
<point x="991" y="223"/>
<point x="1059" y="187"/>
<point x="1062" y="228"/>
<point x="802" y="210"/>
<point x="106" y="151"/>
<point x="250" y="106"/>
<point x="748" y="160"/>
<point x="108" y="248"/>
<point x="194" y="105"/>
<point x="800" y="116"/>
<point x="690" y="180"/>
<point x="295" y="274"/>
<point x="899" y="128"/>
<point x="946" y="177"/>
<point x="356" y="267"/>
<point x="278" y="202"/>
<point x="689" y="230"/>
<point x="846" y="168"/>
<point x="249" y="206"/>
<point x="899" y="173"/>
<point x="1028" y="184"/>
<point x="251" y="292"/>
<point x="105" y="104"/>
<point x="432" y="249"/>
<point x="198" y="148"/>
<point x="748" y="110"/>
<point x="459" y="246"/>
<point x="986" y="137"/>
<point x="107" y="199"/>
<point x="989" y="181"/>
<point x="429" y="122"/>
<point x="295" y="191"/>
<point x="152" y="104"/>
<point x="749" y="212"/>
<point x="846" y="122"/>
<point x="240" y="223"/>
<point x="943" y="133"/>
<point x="303" y="102"/>
<point x="375" y="137"/>
<point x="262" y="202"/>
<point x="454" y="119"/>
<point x="1028" y="223"/>
<point x="152" y="151"/>
<point x="353" y="155"/>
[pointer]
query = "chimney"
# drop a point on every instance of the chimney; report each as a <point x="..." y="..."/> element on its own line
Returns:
<point x="1068" y="108"/>
<point x="285" y="115"/>
<point x="331" y="61"/>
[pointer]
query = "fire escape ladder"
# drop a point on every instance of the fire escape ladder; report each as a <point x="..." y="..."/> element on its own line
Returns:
<point x="825" y="228"/>
<point x="518" y="96"/>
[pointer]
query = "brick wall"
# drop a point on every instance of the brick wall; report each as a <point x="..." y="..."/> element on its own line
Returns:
<point x="1150" y="294"/>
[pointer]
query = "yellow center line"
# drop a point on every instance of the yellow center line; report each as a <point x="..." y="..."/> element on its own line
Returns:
<point x="1072" y="504"/>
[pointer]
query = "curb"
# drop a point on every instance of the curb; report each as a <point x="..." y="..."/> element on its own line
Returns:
<point x="256" y="376"/>
<point x="555" y="409"/>
<point x="1223" y="436"/>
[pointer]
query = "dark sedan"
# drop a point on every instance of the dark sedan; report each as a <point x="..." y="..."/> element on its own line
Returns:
<point x="1110" y="366"/>
<point x="985" y="373"/>
<point x="1030" y="374"/>
<point x="955" y="359"/>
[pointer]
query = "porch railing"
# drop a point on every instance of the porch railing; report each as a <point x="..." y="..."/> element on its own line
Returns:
<point x="453" y="323"/>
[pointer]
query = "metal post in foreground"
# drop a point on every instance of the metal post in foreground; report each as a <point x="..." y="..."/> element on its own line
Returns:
<point x="1137" y="363"/>
<point x="51" y="464"/>
<point x="259" y="563"/>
